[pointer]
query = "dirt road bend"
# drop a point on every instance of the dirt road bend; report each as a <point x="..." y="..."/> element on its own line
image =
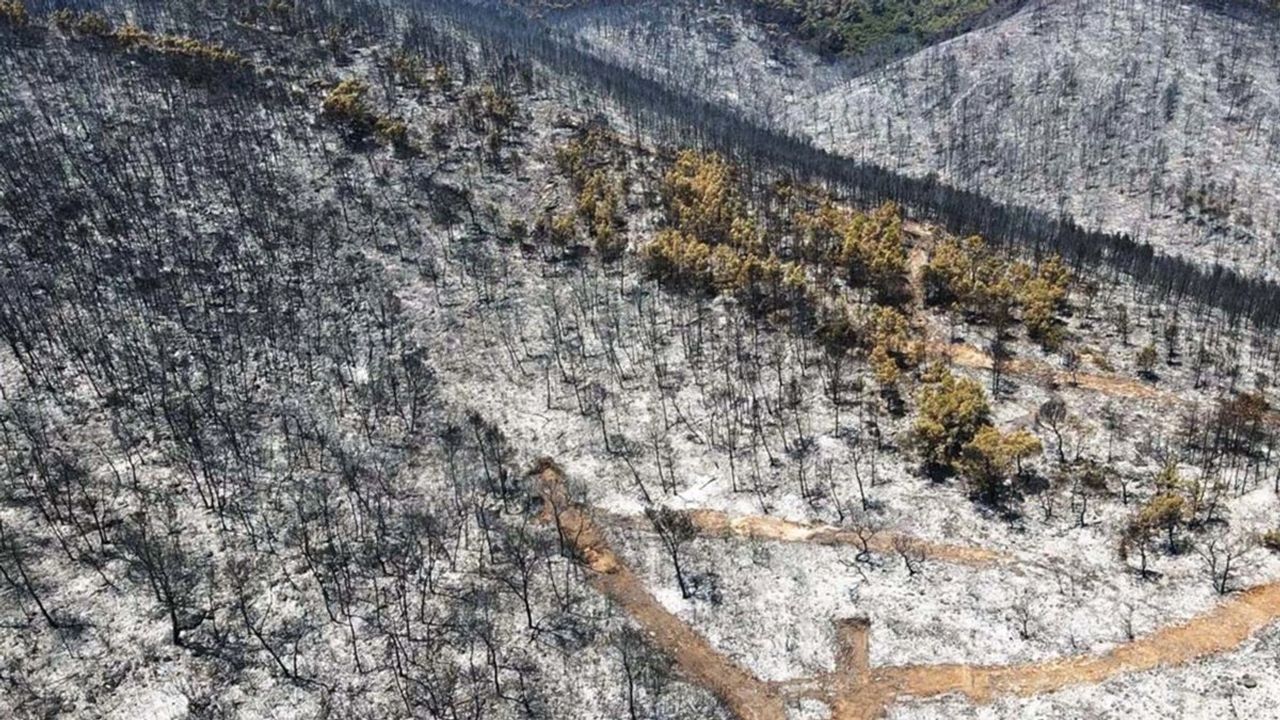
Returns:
<point x="854" y="690"/>
<point x="746" y="696"/>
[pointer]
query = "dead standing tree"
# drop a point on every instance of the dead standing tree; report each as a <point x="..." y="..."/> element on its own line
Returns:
<point x="676" y="529"/>
<point x="176" y="576"/>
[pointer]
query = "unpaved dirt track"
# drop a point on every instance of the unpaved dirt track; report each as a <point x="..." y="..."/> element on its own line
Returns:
<point x="718" y="524"/>
<point x="746" y="696"/>
<point x="1222" y="629"/>
<point x="1108" y="384"/>
<point x="856" y="691"/>
<point x="968" y="356"/>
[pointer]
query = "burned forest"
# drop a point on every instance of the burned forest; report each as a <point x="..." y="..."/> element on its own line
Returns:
<point x="658" y="360"/>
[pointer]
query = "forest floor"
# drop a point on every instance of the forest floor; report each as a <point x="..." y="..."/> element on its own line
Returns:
<point x="854" y="690"/>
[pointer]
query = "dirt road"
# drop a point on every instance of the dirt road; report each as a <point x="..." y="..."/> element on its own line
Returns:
<point x="718" y="524"/>
<point x="746" y="696"/>
<point x="1222" y="629"/>
<point x="1106" y="383"/>
<point x="855" y="690"/>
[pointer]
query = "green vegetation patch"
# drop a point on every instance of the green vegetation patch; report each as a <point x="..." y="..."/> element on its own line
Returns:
<point x="857" y="27"/>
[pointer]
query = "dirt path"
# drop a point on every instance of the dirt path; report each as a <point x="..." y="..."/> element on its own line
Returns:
<point x="717" y="524"/>
<point x="1222" y="629"/>
<point x="969" y="356"/>
<point x="746" y="696"/>
<point x="855" y="690"/>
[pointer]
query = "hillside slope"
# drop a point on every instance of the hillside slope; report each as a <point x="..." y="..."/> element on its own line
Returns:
<point x="1151" y="118"/>
<point x="377" y="360"/>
